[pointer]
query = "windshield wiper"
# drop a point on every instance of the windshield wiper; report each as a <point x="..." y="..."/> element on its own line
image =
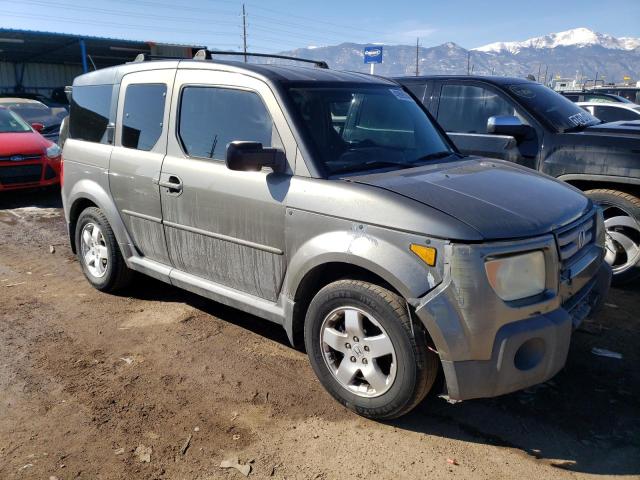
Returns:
<point x="436" y="155"/>
<point x="372" y="164"/>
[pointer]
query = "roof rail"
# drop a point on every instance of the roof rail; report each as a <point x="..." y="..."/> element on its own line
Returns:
<point x="145" y="57"/>
<point x="208" y="55"/>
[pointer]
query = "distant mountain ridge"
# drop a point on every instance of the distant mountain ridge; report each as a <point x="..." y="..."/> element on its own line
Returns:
<point x="578" y="51"/>
<point x="577" y="37"/>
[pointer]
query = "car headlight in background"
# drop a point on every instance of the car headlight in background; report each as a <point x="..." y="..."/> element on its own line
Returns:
<point x="53" y="151"/>
<point x="517" y="276"/>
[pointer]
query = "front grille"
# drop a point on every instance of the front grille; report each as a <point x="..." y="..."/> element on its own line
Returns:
<point x="575" y="237"/>
<point x="20" y="174"/>
<point x="49" y="173"/>
<point x="19" y="157"/>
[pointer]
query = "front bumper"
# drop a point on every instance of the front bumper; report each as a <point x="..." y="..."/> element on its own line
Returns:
<point x="29" y="174"/>
<point x="489" y="348"/>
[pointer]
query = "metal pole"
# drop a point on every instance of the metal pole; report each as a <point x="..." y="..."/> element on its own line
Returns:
<point x="244" y="32"/>
<point x="468" y="63"/>
<point x="417" y="56"/>
<point x="371" y="68"/>
<point x="83" y="52"/>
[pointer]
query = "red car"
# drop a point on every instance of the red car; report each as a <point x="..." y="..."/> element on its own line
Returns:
<point x="27" y="159"/>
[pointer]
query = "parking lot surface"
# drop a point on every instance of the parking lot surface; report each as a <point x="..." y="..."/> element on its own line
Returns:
<point x="160" y="383"/>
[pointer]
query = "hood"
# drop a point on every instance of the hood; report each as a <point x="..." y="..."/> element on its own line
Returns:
<point x="12" y="143"/>
<point x="624" y="127"/>
<point x="500" y="200"/>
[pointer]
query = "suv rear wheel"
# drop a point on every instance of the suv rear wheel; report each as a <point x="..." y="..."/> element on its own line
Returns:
<point x="98" y="252"/>
<point x="363" y="348"/>
<point x="622" y="220"/>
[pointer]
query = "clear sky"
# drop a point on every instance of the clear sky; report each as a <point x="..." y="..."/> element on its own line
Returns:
<point x="276" y="25"/>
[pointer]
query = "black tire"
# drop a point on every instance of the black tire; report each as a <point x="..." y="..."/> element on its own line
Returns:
<point x="629" y="204"/>
<point x="417" y="366"/>
<point x="117" y="275"/>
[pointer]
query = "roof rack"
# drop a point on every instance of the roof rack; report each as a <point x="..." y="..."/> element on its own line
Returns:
<point x="145" y="57"/>
<point x="208" y="55"/>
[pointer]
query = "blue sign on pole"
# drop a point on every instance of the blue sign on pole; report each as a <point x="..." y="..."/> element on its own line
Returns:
<point x="373" y="54"/>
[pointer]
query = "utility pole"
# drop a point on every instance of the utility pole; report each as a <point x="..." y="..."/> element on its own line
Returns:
<point x="417" y="55"/>
<point x="546" y="71"/>
<point x="468" y="63"/>
<point x="244" y="32"/>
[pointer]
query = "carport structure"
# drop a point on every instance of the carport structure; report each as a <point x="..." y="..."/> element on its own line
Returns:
<point x="37" y="62"/>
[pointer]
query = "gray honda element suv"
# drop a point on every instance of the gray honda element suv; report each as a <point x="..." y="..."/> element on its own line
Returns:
<point x="332" y="204"/>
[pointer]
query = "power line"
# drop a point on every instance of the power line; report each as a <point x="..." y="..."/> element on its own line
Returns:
<point x="116" y="25"/>
<point x="305" y="27"/>
<point x="288" y="33"/>
<point x="112" y="12"/>
<point x="417" y="55"/>
<point x="314" y="20"/>
<point x="244" y="32"/>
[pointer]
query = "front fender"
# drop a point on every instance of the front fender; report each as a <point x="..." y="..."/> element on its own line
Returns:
<point x="314" y="239"/>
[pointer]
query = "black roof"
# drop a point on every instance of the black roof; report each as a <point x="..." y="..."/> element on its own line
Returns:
<point x="272" y="72"/>
<point x="488" y="79"/>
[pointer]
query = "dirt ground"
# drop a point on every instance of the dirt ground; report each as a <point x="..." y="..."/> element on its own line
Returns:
<point x="91" y="385"/>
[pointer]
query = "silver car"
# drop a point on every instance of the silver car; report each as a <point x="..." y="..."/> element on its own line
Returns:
<point x="332" y="204"/>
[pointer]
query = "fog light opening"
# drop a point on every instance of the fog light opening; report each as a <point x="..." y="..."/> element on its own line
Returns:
<point x="529" y="354"/>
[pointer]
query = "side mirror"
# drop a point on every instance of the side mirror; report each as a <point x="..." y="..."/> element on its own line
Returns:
<point x="38" y="127"/>
<point x="507" y="125"/>
<point x="252" y="156"/>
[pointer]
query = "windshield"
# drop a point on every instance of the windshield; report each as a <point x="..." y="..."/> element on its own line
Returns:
<point x="356" y="128"/>
<point x="11" y="123"/>
<point x="562" y="113"/>
<point x="32" y="112"/>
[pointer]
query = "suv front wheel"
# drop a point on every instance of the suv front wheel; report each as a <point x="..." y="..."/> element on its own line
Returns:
<point x="98" y="252"/>
<point x="363" y="348"/>
<point x="622" y="221"/>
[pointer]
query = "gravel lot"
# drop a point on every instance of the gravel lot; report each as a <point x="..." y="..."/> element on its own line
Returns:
<point x="93" y="385"/>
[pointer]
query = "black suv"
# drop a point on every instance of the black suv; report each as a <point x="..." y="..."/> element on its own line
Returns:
<point x="530" y="124"/>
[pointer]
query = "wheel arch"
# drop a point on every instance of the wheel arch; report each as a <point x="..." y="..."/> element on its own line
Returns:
<point x="87" y="193"/>
<point x="586" y="182"/>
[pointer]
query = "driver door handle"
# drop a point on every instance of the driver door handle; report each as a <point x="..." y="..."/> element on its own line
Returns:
<point x="171" y="182"/>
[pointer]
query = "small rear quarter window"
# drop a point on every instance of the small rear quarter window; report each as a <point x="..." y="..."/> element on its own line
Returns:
<point x="89" y="112"/>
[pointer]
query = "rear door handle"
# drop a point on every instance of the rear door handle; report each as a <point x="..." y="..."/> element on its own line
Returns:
<point x="172" y="183"/>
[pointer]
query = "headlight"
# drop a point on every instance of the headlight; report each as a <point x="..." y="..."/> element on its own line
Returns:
<point x="53" y="151"/>
<point x="517" y="276"/>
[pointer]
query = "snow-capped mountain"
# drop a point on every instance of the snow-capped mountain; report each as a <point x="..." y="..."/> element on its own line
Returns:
<point x="576" y="37"/>
<point x="558" y="54"/>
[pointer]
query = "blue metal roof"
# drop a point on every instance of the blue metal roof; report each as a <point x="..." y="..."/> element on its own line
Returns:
<point x="26" y="46"/>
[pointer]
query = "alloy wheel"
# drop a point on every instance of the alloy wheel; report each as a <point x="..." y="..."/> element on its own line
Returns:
<point x="358" y="352"/>
<point x="94" y="250"/>
<point x="622" y="239"/>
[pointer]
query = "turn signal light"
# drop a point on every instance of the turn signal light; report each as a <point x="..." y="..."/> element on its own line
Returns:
<point x="426" y="254"/>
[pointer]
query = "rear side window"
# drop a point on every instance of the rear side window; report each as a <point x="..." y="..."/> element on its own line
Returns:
<point x="613" y="114"/>
<point x="417" y="89"/>
<point x="143" y="115"/>
<point x="466" y="108"/>
<point x="211" y="118"/>
<point x="90" y="107"/>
